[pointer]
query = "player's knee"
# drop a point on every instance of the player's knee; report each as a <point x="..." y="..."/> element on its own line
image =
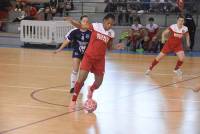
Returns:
<point x="181" y="58"/>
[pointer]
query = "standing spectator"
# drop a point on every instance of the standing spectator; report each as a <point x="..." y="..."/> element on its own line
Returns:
<point x="189" y="22"/>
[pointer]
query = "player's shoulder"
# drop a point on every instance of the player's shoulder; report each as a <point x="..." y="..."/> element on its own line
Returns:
<point x="155" y="25"/>
<point x="173" y="27"/>
<point x="111" y="33"/>
<point x="99" y="28"/>
<point x="73" y="30"/>
<point x="185" y="28"/>
<point x="96" y="25"/>
<point x="140" y="26"/>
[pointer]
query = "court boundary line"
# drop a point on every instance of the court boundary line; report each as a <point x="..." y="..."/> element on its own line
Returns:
<point x="66" y="113"/>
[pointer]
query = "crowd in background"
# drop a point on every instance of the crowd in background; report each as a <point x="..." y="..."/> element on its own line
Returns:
<point x="126" y="9"/>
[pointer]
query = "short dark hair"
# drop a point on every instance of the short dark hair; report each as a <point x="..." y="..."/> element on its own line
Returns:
<point x="181" y="16"/>
<point x="83" y="16"/>
<point x="151" y="19"/>
<point x="109" y="16"/>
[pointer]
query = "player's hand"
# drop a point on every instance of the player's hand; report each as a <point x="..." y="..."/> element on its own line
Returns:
<point x="120" y="46"/>
<point x="154" y="38"/>
<point x="57" y="51"/>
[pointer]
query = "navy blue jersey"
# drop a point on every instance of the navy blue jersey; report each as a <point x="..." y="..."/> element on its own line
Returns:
<point x="79" y="41"/>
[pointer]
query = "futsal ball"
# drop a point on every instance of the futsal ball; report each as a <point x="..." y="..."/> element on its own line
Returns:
<point x="90" y="105"/>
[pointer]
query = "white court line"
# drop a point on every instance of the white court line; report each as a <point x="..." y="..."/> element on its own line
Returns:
<point x="22" y="65"/>
<point x="129" y="72"/>
<point x="33" y="107"/>
<point x="21" y="87"/>
<point x="183" y="100"/>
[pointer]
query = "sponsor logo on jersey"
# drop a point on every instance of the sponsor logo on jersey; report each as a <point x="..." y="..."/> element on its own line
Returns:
<point x="87" y="36"/>
<point x="102" y="37"/>
<point x="178" y="35"/>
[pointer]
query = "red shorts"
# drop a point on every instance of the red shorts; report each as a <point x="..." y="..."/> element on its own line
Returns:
<point x="172" y="47"/>
<point x="96" y="66"/>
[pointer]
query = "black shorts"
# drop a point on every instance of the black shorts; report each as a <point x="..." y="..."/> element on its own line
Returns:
<point x="77" y="54"/>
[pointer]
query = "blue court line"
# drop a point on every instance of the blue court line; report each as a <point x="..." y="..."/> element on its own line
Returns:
<point x="189" y="54"/>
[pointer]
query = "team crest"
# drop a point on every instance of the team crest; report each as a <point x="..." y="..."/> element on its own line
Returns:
<point x="87" y="36"/>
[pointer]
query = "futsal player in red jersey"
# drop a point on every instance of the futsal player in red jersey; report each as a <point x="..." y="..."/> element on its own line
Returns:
<point x="94" y="57"/>
<point x="173" y="44"/>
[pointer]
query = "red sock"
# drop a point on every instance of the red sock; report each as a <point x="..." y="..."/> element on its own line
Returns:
<point x="153" y="64"/>
<point x="93" y="87"/>
<point x="178" y="64"/>
<point x="77" y="89"/>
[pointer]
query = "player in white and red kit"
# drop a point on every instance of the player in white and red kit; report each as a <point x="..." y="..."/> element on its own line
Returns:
<point x="137" y="33"/>
<point x="151" y="38"/>
<point x="94" y="57"/>
<point x="173" y="44"/>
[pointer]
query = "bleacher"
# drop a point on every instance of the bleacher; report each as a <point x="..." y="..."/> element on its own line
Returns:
<point x="95" y="11"/>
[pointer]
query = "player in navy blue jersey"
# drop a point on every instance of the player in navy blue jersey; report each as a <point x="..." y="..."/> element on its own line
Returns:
<point x="79" y="39"/>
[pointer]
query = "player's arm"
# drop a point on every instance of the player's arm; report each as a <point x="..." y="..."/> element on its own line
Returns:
<point x="164" y="34"/>
<point x="187" y="39"/>
<point x="64" y="44"/>
<point x="111" y="46"/>
<point x="155" y="37"/>
<point x="77" y="24"/>
<point x="157" y="32"/>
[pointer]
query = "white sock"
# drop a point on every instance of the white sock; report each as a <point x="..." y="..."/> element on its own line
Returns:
<point x="73" y="78"/>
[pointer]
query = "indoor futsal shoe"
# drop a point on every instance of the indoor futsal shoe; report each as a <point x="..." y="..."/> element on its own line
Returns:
<point x="178" y="72"/>
<point x="148" y="71"/>
<point x="71" y="90"/>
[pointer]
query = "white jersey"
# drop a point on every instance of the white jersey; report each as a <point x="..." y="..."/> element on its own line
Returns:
<point x="136" y="27"/>
<point x="152" y="28"/>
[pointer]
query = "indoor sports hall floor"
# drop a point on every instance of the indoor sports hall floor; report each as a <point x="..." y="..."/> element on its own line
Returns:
<point x="34" y="96"/>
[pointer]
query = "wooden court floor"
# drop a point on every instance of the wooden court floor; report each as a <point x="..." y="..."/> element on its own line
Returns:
<point x="34" y="96"/>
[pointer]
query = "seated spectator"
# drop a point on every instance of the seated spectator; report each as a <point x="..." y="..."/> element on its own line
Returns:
<point x="47" y="12"/>
<point x="136" y="34"/>
<point x="151" y="37"/>
<point x="5" y="6"/>
<point x="28" y="13"/>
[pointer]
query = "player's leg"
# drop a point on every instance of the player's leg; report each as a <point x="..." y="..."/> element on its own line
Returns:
<point x="155" y="62"/>
<point x="74" y="74"/>
<point x="83" y="73"/>
<point x="165" y="50"/>
<point x="97" y="83"/>
<point x="146" y="43"/>
<point x="98" y="69"/>
<point x="78" y="85"/>
<point x="179" y="63"/>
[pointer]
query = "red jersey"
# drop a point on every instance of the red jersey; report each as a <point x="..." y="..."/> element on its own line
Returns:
<point x="177" y="34"/>
<point x="98" y="40"/>
<point x="174" y="42"/>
